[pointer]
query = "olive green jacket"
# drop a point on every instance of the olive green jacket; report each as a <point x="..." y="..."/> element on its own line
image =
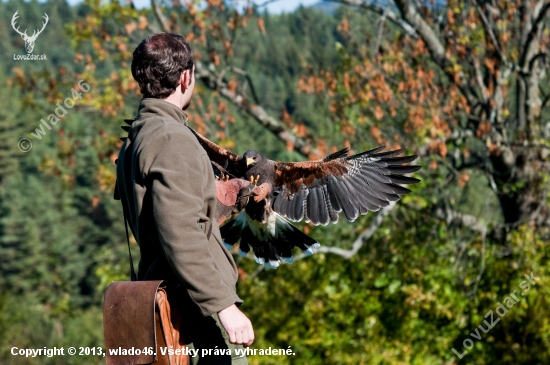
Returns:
<point x="167" y="188"/>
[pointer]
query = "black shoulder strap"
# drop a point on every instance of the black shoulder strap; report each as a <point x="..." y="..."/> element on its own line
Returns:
<point x="209" y="233"/>
<point x="133" y="275"/>
<point x="116" y="196"/>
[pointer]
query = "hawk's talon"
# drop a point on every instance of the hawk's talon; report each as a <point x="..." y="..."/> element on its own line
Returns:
<point x="254" y="180"/>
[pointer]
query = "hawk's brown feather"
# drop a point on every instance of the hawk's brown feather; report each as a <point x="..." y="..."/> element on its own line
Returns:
<point x="230" y="161"/>
<point x="293" y="175"/>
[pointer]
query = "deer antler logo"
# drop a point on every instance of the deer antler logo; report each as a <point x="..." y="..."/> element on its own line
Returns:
<point x="29" y="41"/>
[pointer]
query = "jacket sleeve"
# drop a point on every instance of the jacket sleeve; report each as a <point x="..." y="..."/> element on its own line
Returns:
<point x="178" y="180"/>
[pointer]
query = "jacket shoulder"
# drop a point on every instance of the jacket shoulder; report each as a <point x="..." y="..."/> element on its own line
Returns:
<point x="157" y="132"/>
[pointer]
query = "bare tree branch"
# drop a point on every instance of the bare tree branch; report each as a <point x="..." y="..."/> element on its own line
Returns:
<point x="479" y="78"/>
<point x="528" y="100"/>
<point x="359" y="241"/>
<point x="411" y="15"/>
<point x="415" y="19"/>
<point x="242" y="73"/>
<point x="265" y="3"/>
<point x="489" y="31"/>
<point x="414" y="25"/>
<point x="535" y="58"/>
<point x="392" y="16"/>
<point x="256" y="272"/>
<point x="160" y="17"/>
<point x="461" y="219"/>
<point x="532" y="44"/>
<point x="212" y="79"/>
<point x="456" y="134"/>
<point x="380" y="34"/>
<point x="482" y="265"/>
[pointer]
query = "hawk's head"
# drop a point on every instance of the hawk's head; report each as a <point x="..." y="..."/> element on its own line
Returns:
<point x="252" y="158"/>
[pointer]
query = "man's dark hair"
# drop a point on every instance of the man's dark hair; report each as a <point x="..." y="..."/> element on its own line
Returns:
<point x="158" y="63"/>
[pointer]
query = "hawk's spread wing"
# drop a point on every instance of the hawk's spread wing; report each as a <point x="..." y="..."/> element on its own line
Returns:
<point x="318" y="190"/>
<point x="228" y="160"/>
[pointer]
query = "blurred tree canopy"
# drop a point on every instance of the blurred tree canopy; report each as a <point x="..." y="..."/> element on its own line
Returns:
<point x="463" y="84"/>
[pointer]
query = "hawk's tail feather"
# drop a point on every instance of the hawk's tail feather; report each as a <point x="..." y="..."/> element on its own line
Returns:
<point x="232" y="230"/>
<point x="270" y="246"/>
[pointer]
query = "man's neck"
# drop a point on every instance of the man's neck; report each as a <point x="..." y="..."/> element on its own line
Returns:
<point x="174" y="99"/>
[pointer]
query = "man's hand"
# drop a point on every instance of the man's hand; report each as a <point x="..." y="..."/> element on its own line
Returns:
<point x="237" y="326"/>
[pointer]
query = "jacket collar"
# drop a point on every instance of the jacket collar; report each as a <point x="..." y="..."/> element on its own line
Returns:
<point x="151" y="107"/>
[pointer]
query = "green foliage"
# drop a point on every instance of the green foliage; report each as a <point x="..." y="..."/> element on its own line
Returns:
<point x="416" y="289"/>
<point x="27" y="323"/>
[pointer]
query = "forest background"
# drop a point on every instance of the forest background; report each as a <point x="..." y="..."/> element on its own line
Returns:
<point x="463" y="84"/>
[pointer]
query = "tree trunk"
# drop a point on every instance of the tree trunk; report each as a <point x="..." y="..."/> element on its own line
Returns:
<point x="519" y="175"/>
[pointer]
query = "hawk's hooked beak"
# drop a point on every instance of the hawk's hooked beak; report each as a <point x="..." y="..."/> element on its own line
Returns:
<point x="250" y="161"/>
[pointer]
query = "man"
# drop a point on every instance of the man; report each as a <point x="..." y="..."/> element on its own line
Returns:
<point x="167" y="188"/>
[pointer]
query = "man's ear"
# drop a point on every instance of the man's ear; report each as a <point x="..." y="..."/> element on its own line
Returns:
<point x="184" y="80"/>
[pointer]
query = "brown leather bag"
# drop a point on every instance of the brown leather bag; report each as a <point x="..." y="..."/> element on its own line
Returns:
<point x="138" y="318"/>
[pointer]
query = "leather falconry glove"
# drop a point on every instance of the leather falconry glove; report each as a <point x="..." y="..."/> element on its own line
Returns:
<point x="232" y="196"/>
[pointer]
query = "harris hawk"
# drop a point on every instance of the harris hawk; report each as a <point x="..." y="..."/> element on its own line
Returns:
<point x="314" y="191"/>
